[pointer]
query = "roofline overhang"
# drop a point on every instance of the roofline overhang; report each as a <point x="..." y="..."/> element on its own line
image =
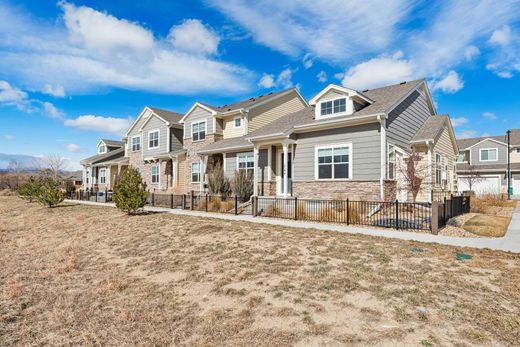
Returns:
<point x="349" y="91"/>
<point x="351" y="121"/>
<point x="267" y="137"/>
<point x="226" y="149"/>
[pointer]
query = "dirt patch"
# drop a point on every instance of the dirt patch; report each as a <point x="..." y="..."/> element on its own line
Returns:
<point x="85" y="275"/>
<point x="487" y="225"/>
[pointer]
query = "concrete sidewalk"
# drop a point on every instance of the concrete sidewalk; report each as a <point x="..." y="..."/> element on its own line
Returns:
<point x="510" y="242"/>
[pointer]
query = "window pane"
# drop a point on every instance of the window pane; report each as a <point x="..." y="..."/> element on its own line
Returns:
<point x="340" y="170"/>
<point x="325" y="171"/>
<point x="340" y="105"/>
<point x="341" y="154"/>
<point x="325" y="155"/>
<point x="202" y="135"/>
<point x="195" y="136"/>
<point x="237" y="122"/>
<point x="492" y="154"/>
<point x="326" y="107"/>
<point x="484" y="155"/>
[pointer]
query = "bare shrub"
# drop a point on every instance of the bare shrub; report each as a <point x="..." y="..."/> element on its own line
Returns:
<point x="242" y="185"/>
<point x="218" y="183"/>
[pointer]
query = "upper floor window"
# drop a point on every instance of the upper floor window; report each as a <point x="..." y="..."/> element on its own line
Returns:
<point x="153" y="139"/>
<point x="333" y="162"/>
<point x="489" y="154"/>
<point x="461" y="158"/>
<point x="438" y="169"/>
<point x="333" y="107"/>
<point x="136" y="143"/>
<point x="246" y="162"/>
<point x="195" y="172"/>
<point x="102" y="175"/>
<point x="238" y="122"/>
<point x="155" y="174"/>
<point x="517" y="149"/>
<point x="102" y="149"/>
<point x="198" y="131"/>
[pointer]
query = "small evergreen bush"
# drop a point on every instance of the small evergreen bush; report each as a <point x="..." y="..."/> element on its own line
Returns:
<point x="50" y="193"/>
<point x="30" y="189"/>
<point x="130" y="193"/>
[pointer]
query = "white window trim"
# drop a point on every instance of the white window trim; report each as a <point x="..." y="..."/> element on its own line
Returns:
<point x="235" y="124"/>
<point x="132" y="143"/>
<point x="102" y="152"/>
<point x="333" y="115"/>
<point x="487" y="149"/>
<point x="350" y="161"/>
<point x="158" y="138"/>
<point x="200" y="172"/>
<point x="158" y="166"/>
<point x="205" y="131"/>
<point x="246" y="153"/>
<point x="104" y="170"/>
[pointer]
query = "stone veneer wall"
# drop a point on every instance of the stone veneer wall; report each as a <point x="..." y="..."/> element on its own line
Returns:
<point x="135" y="160"/>
<point x="191" y="156"/>
<point x="267" y="188"/>
<point x="354" y="190"/>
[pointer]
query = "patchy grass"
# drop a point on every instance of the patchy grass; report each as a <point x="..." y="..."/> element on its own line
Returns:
<point x="84" y="275"/>
<point x="487" y="225"/>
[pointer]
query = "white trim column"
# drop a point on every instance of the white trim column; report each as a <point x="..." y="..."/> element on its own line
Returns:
<point x="430" y="171"/>
<point x="174" y="172"/>
<point x="285" y="146"/>
<point x="255" y="169"/>
<point x="269" y="162"/>
<point x="382" y="121"/>
<point x="202" y="175"/>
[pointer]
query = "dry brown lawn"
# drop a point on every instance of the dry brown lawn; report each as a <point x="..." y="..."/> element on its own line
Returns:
<point x="80" y="275"/>
<point x="487" y="225"/>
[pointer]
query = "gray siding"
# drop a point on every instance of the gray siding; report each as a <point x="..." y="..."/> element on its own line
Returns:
<point x="198" y="115"/>
<point x="176" y="139"/>
<point x="405" y="120"/>
<point x="155" y="123"/>
<point x="366" y="157"/>
<point x="502" y="153"/>
<point x="231" y="164"/>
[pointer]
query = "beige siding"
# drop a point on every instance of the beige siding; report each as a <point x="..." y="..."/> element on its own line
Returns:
<point x="515" y="157"/>
<point x="181" y="175"/>
<point x="229" y="129"/>
<point x="267" y="113"/>
<point x="332" y="95"/>
<point x="444" y="147"/>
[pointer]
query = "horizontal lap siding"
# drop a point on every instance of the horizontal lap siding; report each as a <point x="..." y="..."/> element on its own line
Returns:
<point x="198" y="115"/>
<point x="155" y="123"/>
<point x="406" y="119"/>
<point x="269" y="112"/>
<point x="444" y="147"/>
<point x="229" y="129"/>
<point x="231" y="164"/>
<point x="502" y="153"/>
<point x="176" y="139"/>
<point x="365" y="141"/>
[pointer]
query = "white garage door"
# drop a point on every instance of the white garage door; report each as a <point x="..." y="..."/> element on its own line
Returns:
<point x="516" y="186"/>
<point x="488" y="185"/>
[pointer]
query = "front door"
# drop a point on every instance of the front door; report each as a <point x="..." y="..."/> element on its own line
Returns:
<point x="282" y="190"/>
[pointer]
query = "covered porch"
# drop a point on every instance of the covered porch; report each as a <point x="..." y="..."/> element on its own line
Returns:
<point x="105" y="175"/>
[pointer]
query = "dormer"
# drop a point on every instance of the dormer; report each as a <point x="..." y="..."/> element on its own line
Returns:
<point x="336" y="101"/>
<point x="104" y="145"/>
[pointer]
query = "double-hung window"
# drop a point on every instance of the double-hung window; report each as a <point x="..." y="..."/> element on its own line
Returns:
<point x="489" y="154"/>
<point x="155" y="173"/>
<point x="461" y="157"/>
<point x="153" y="139"/>
<point x="195" y="172"/>
<point x="237" y="122"/>
<point x="136" y="143"/>
<point x="102" y="149"/>
<point x="198" y="131"/>
<point x="333" y="162"/>
<point x="246" y="162"/>
<point x="438" y="169"/>
<point x="333" y="107"/>
<point x="102" y="175"/>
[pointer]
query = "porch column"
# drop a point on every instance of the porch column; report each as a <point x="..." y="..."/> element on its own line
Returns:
<point x="430" y="171"/>
<point x="255" y="169"/>
<point x="269" y="162"/>
<point x="174" y="172"/>
<point x="202" y="173"/>
<point x="285" y="169"/>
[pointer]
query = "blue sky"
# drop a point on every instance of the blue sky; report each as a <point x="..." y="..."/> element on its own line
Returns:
<point x="74" y="71"/>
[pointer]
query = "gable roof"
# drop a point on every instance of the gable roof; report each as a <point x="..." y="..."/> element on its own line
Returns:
<point x="431" y="128"/>
<point x="339" y="89"/>
<point x="470" y="142"/>
<point x="169" y="116"/>
<point x="112" y="155"/>
<point x="384" y="100"/>
<point x="112" y="143"/>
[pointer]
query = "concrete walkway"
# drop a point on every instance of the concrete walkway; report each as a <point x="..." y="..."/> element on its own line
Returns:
<point x="510" y="242"/>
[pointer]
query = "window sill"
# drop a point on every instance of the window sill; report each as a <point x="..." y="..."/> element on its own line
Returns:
<point x="154" y="147"/>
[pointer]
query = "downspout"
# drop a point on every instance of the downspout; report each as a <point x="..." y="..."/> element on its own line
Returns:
<point x="382" y="120"/>
<point x="246" y="121"/>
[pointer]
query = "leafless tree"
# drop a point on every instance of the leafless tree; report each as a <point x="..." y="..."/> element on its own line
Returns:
<point x="415" y="173"/>
<point x="51" y="165"/>
<point x="15" y="166"/>
<point x="471" y="177"/>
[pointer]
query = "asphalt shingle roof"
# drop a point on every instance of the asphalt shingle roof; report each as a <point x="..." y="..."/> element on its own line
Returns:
<point x="515" y="139"/>
<point x="383" y="99"/>
<point x="245" y="103"/>
<point x="462" y="167"/>
<point x="113" y="143"/>
<point x="431" y="128"/>
<point x="172" y="117"/>
<point x="234" y="142"/>
<point x="108" y="156"/>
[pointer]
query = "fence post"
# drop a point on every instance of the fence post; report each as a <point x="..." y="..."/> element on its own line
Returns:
<point x="295" y="208"/>
<point x="435" y="218"/>
<point x="445" y="210"/>
<point x="153" y="199"/>
<point x="183" y="201"/>
<point x="106" y="195"/>
<point x="397" y="214"/>
<point x="254" y="206"/>
<point x="236" y="205"/>
<point x="96" y="196"/>
<point x="348" y="213"/>
<point x="207" y="201"/>
<point x="171" y="201"/>
<point x="192" y="200"/>
<point x="451" y="206"/>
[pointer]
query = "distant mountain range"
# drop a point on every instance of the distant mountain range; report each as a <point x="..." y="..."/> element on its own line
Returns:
<point x="25" y="161"/>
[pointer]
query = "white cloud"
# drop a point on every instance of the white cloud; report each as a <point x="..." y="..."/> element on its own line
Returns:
<point x="451" y="83"/>
<point x="466" y="134"/>
<point x="51" y="111"/>
<point x="379" y="71"/>
<point x="471" y="52"/>
<point x="456" y="122"/>
<point x="73" y="148"/>
<point x="489" y="115"/>
<point x="322" y="76"/>
<point x="194" y="37"/>
<point x="57" y="91"/>
<point x="95" y="50"/>
<point x="112" y="125"/>
<point x="13" y="96"/>
<point x="9" y="137"/>
<point x="501" y="37"/>
<point x="339" y="75"/>
<point x="308" y="60"/>
<point x="284" y="79"/>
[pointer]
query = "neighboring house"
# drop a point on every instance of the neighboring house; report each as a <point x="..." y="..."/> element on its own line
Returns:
<point x="344" y="143"/>
<point x="154" y="145"/>
<point x="100" y="171"/>
<point x="487" y="157"/>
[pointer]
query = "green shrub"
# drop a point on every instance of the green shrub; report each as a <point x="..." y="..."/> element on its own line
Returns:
<point x="242" y="185"/>
<point x="30" y="189"/>
<point x="50" y="193"/>
<point x="218" y="184"/>
<point x="130" y="192"/>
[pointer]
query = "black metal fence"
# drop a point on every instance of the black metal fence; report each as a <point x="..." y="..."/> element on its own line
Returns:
<point x="398" y="215"/>
<point x="87" y="195"/>
<point x="452" y="207"/>
<point x="440" y="195"/>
